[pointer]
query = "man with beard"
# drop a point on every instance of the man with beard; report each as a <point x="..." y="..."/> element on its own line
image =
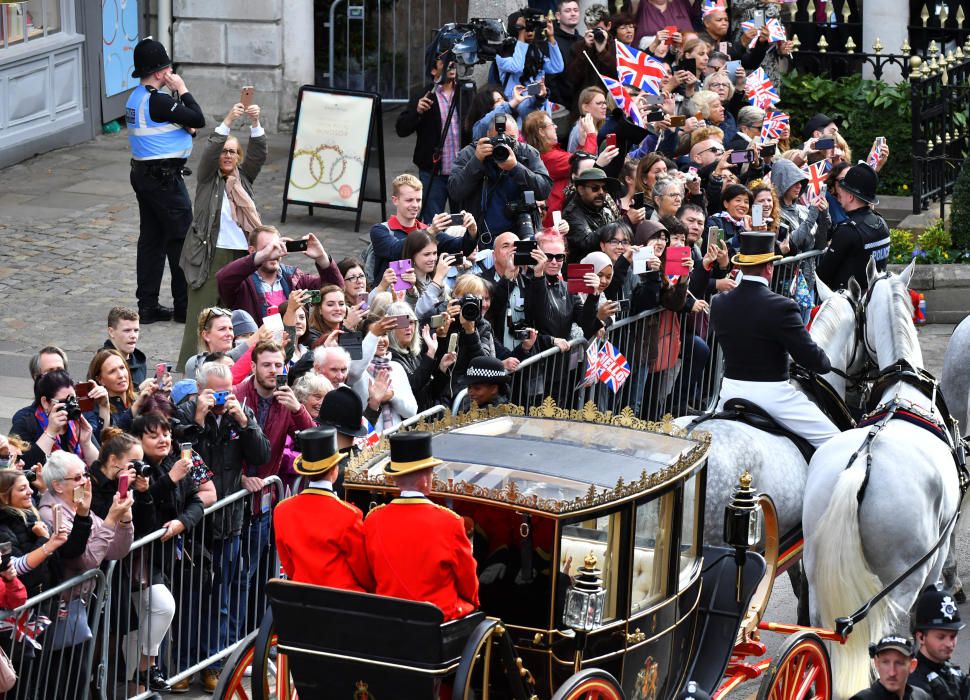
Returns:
<point x="593" y="205"/>
<point x="258" y="281"/>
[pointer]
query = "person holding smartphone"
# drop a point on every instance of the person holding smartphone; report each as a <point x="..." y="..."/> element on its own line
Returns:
<point x="535" y="55"/>
<point x="225" y="211"/>
<point x="259" y="280"/>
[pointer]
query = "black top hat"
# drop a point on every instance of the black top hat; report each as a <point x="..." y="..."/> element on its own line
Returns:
<point x="817" y="123"/>
<point x="344" y="410"/>
<point x="149" y="57"/>
<point x="757" y="247"/>
<point x="486" y="370"/>
<point x="319" y="451"/>
<point x="594" y="174"/>
<point x="410" y="452"/>
<point x="896" y="642"/>
<point x="936" y="610"/>
<point x="862" y="181"/>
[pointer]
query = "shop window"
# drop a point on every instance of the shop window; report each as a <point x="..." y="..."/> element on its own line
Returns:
<point x="24" y="22"/>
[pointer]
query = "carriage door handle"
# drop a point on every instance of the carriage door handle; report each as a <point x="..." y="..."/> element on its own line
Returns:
<point x="636" y="637"/>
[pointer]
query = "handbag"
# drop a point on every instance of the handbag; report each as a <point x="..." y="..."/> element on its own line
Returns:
<point x="668" y="341"/>
<point x="8" y="674"/>
<point x="71" y="627"/>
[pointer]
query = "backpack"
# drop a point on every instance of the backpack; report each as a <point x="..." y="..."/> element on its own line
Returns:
<point x="369" y="258"/>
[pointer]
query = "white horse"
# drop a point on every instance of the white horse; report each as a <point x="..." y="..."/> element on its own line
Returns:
<point x="911" y="493"/>
<point x="955" y="380"/>
<point x="776" y="465"/>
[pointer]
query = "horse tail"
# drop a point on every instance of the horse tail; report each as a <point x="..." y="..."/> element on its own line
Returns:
<point x="844" y="582"/>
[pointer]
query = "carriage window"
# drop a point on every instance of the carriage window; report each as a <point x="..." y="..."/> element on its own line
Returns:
<point x="651" y="553"/>
<point x="601" y="536"/>
<point x="688" y="532"/>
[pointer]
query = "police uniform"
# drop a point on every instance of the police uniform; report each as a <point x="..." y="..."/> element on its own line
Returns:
<point x="877" y="691"/>
<point x="936" y="610"/>
<point x="159" y="148"/>
<point x="320" y="538"/>
<point x="862" y="236"/>
<point x="418" y="550"/>
<point x="758" y="330"/>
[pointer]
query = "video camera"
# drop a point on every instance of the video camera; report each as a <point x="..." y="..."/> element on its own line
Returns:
<point x="525" y="213"/>
<point x="535" y="20"/>
<point x="478" y="41"/>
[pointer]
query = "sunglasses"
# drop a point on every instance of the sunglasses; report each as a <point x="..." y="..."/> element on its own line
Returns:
<point x="596" y="188"/>
<point x="79" y="478"/>
<point x="215" y="312"/>
<point x="556" y="257"/>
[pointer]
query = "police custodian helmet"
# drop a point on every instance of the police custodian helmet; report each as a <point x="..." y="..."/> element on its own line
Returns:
<point x="936" y="610"/>
<point x="149" y="57"/>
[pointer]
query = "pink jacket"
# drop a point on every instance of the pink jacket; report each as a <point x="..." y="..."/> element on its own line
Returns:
<point x="105" y="542"/>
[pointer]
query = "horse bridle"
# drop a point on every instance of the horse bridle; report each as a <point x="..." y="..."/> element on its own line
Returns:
<point x="859" y="313"/>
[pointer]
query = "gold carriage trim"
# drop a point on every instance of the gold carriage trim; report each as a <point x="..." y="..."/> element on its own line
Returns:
<point x="357" y="468"/>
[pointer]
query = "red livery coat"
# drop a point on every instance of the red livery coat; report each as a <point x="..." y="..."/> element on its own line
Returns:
<point x="320" y="540"/>
<point x="419" y="551"/>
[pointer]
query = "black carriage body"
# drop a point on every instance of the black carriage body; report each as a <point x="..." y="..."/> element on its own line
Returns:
<point x="543" y="494"/>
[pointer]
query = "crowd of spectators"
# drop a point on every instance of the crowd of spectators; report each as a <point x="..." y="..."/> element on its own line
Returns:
<point x="465" y="281"/>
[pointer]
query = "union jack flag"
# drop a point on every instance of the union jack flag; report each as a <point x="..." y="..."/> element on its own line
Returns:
<point x="592" y="364"/>
<point x="872" y="160"/>
<point x="712" y="6"/>
<point x="816" y="177"/>
<point x="747" y="25"/>
<point x="613" y="367"/>
<point x="776" y="31"/>
<point x="623" y="99"/>
<point x="774" y="125"/>
<point x="759" y="90"/>
<point x="638" y="69"/>
<point x="372" y="438"/>
<point x="26" y="627"/>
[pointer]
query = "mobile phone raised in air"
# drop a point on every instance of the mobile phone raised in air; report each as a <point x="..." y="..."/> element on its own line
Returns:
<point x="639" y="200"/>
<point x="297" y="246"/>
<point x="523" y="253"/>
<point x="452" y="342"/>
<point x="78" y="494"/>
<point x="678" y="120"/>
<point x="280" y="381"/>
<point x="55" y="519"/>
<point x="246" y="95"/>
<point x="458" y="219"/>
<point x="824" y="144"/>
<point x="738" y="157"/>
<point x="610" y="140"/>
<point x="123" y="486"/>
<point x="533" y="89"/>
<point x="186" y="449"/>
<point x="438" y="320"/>
<point x="459" y="260"/>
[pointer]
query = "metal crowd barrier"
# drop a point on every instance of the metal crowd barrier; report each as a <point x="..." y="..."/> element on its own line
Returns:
<point x="51" y="640"/>
<point x="196" y="596"/>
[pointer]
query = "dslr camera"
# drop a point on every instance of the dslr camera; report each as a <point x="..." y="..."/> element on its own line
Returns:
<point x="141" y="468"/>
<point x="502" y="143"/>
<point x="72" y="407"/>
<point x="535" y="20"/>
<point x="471" y="307"/>
<point x="525" y="213"/>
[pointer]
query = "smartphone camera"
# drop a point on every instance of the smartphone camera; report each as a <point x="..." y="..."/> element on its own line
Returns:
<point x="280" y="381"/>
<point x="623" y="304"/>
<point x="315" y="297"/>
<point x="824" y="144"/>
<point x="533" y="89"/>
<point x="471" y="307"/>
<point x="739" y="157"/>
<point x="296" y="246"/>
<point x="437" y="321"/>
<point x="459" y="260"/>
<point x="457" y="219"/>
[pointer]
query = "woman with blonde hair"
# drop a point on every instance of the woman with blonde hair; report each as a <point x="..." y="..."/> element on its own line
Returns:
<point x="593" y="102"/>
<point x="215" y="333"/>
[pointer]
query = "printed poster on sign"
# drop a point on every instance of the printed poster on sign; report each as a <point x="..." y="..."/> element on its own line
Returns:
<point x="329" y="149"/>
<point x="119" y="34"/>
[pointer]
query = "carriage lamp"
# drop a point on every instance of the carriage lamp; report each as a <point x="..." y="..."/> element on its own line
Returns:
<point x="742" y="517"/>
<point x="586" y="598"/>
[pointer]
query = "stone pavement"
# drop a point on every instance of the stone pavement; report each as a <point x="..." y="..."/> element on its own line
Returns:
<point x="69" y="225"/>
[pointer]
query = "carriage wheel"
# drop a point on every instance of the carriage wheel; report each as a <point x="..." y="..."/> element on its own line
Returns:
<point x="802" y="670"/>
<point x="477" y="650"/>
<point x="235" y="685"/>
<point x="591" y="684"/>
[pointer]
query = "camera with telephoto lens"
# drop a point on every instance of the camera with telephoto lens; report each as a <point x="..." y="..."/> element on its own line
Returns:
<point x="525" y="213"/>
<point x="502" y="143"/>
<point x="471" y="307"/>
<point x="141" y="468"/>
<point x="535" y="20"/>
<point x="478" y="41"/>
<point x="72" y="407"/>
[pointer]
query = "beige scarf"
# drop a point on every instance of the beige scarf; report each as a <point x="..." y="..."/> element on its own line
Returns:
<point x="241" y="205"/>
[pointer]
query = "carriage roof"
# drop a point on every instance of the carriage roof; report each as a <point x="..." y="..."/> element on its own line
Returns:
<point x="553" y="460"/>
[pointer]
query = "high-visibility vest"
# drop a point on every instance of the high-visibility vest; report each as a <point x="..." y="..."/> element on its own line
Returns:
<point x="149" y="139"/>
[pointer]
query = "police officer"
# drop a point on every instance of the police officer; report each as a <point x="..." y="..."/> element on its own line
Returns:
<point x="758" y="330"/>
<point x="862" y="236"/>
<point x="937" y="622"/>
<point x="419" y="550"/>
<point x="320" y="538"/>
<point x="160" y="129"/>
<point x="894" y="660"/>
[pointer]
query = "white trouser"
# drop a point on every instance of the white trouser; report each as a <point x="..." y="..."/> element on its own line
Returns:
<point x="155" y="613"/>
<point x="785" y="404"/>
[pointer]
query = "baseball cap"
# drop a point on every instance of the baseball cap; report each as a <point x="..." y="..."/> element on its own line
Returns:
<point x="894" y="642"/>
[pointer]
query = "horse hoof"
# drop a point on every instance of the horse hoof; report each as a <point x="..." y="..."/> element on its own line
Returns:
<point x="959" y="596"/>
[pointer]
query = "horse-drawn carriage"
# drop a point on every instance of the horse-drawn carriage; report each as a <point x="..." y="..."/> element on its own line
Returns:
<point x="594" y="579"/>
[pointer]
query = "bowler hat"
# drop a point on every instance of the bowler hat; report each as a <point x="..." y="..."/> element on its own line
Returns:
<point x="319" y="451"/>
<point x="862" y="181"/>
<point x="896" y="642"/>
<point x="343" y="410"/>
<point x="936" y="610"/>
<point x="817" y="123"/>
<point x="410" y="452"/>
<point x="757" y="248"/>
<point x="149" y="57"/>
<point x="486" y="370"/>
<point x="597" y="175"/>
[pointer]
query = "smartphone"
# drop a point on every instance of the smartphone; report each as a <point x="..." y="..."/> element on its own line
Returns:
<point x="722" y="47"/>
<point x="82" y="390"/>
<point x="220" y="397"/>
<point x="623" y="304"/>
<point x="769" y="150"/>
<point x="715" y="234"/>
<point x="738" y="157"/>
<point x="610" y="140"/>
<point x="458" y="219"/>
<point x="352" y="342"/>
<point x="757" y="215"/>
<point x="575" y="284"/>
<point x="688" y="64"/>
<point x="280" y="381"/>
<point x="438" y="320"/>
<point x="641" y="258"/>
<point x="296" y="246"/>
<point x="678" y="120"/>
<point x="824" y="144"/>
<point x="403" y="321"/>
<point x="675" y="261"/>
<point x="556" y="218"/>
<point x="315" y="297"/>
<point x="880" y="141"/>
<point x="459" y="260"/>
<point x="523" y="253"/>
<point x="453" y="342"/>
<point x="671" y="30"/>
<point x="533" y="89"/>
<point x="246" y="95"/>
<point x="55" y="519"/>
<point x="655" y="116"/>
<point x="362" y="301"/>
<point x="5" y="549"/>
<point x="400" y="267"/>
<point x="123" y="486"/>
<point x="78" y="494"/>
<point x="161" y="369"/>
<point x="654" y="100"/>
<point x="759" y="18"/>
<point x="639" y="200"/>
<point x="186" y="448"/>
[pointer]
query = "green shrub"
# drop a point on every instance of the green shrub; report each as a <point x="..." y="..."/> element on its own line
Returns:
<point x="934" y="246"/>
<point x="960" y="209"/>
<point x="864" y="109"/>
